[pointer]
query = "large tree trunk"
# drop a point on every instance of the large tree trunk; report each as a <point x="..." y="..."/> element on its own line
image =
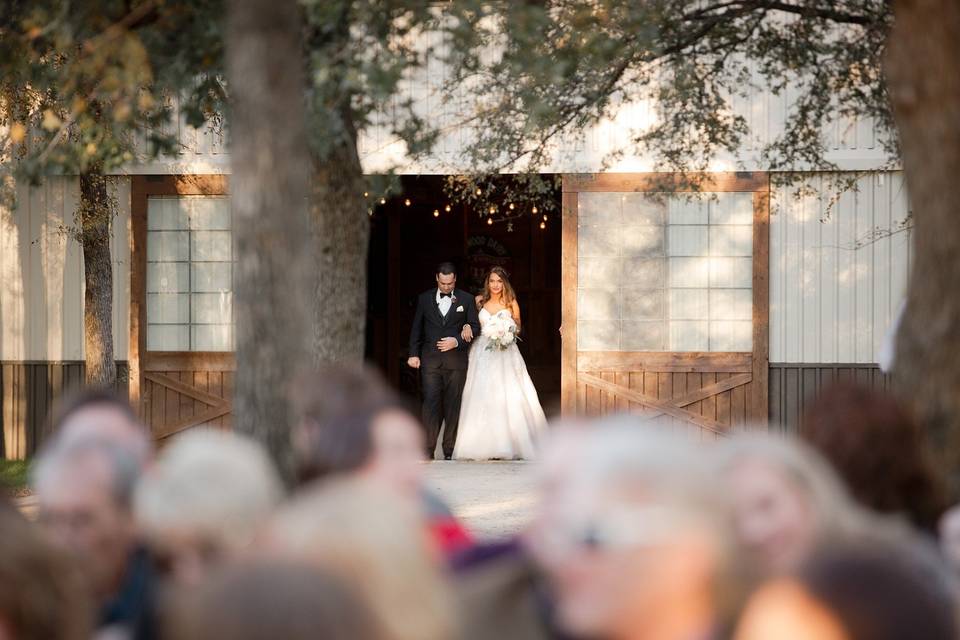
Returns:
<point x="272" y="280"/>
<point x="341" y="236"/>
<point x="95" y="217"/>
<point x="923" y="59"/>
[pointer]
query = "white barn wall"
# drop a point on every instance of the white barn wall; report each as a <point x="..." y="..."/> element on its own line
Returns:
<point x="837" y="275"/>
<point x="41" y="274"/>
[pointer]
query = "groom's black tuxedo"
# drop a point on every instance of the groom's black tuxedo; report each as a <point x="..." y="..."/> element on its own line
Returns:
<point x="443" y="372"/>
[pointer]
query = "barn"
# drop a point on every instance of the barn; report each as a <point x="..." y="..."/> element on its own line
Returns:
<point x="705" y="311"/>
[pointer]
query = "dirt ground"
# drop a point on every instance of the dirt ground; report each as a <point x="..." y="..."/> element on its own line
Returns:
<point x="494" y="499"/>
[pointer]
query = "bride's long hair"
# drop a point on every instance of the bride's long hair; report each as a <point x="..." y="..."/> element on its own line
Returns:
<point x="507" y="296"/>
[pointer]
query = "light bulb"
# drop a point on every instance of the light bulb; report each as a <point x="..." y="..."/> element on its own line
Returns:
<point x="489" y="220"/>
<point x="511" y="206"/>
<point x="383" y="201"/>
<point x="534" y="208"/>
<point x="479" y="191"/>
<point x="366" y="194"/>
<point x="544" y="217"/>
<point x="407" y="202"/>
<point x="493" y="210"/>
<point x="543" y="225"/>
<point x="436" y="213"/>
<point x="447" y="208"/>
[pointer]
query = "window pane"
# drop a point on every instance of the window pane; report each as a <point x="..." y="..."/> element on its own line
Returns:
<point x="640" y="241"/>
<point x="731" y="241"/>
<point x="641" y="304"/>
<point x="643" y="336"/>
<point x="212" y="308"/>
<point x="728" y="335"/>
<point x="731" y="304"/>
<point x="642" y="208"/>
<point x="168" y="277"/>
<point x="168" y="337"/>
<point x="212" y="276"/>
<point x="688" y="335"/>
<point x="689" y="272"/>
<point x="211" y="246"/>
<point x="599" y="208"/>
<point x="731" y="273"/>
<point x="732" y="208"/>
<point x="598" y="304"/>
<point x="594" y="241"/>
<point x="689" y="304"/>
<point x="165" y="214"/>
<point x="644" y="273"/>
<point x="168" y="246"/>
<point x="209" y="213"/>
<point x="212" y="337"/>
<point x="686" y="240"/>
<point x="598" y="335"/>
<point x="168" y="308"/>
<point x="686" y="211"/>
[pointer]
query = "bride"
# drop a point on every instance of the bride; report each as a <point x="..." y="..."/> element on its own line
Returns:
<point x="500" y="415"/>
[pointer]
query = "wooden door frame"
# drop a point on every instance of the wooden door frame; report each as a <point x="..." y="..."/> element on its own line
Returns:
<point x="141" y="188"/>
<point x="757" y="183"/>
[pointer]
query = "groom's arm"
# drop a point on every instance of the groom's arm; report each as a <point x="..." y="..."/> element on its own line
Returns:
<point x="473" y="319"/>
<point x="416" y="332"/>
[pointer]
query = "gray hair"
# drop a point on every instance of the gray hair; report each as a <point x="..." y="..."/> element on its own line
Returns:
<point x="124" y="467"/>
<point x="217" y="484"/>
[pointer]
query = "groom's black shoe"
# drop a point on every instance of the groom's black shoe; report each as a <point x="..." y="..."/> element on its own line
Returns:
<point x="447" y="456"/>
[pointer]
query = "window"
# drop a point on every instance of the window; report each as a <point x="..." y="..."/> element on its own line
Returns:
<point x="189" y="274"/>
<point x="671" y="273"/>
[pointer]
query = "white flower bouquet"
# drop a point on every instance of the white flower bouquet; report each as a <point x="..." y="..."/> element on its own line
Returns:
<point x="501" y="332"/>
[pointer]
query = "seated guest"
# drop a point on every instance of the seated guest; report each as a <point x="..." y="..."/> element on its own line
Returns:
<point x="272" y="601"/>
<point x="785" y="498"/>
<point x="637" y="546"/>
<point x="352" y="423"/>
<point x="373" y="539"/>
<point x="42" y="594"/>
<point x="873" y="586"/>
<point x="84" y="490"/>
<point x="204" y="500"/>
<point x="106" y="416"/>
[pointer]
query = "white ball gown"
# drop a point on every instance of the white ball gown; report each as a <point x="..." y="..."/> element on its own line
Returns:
<point x="500" y="413"/>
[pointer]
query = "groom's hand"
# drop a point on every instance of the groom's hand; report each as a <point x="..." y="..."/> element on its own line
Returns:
<point x="447" y="344"/>
<point x="467" y="333"/>
<point x="413" y="362"/>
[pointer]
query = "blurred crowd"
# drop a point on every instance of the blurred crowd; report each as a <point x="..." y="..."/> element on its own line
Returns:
<point x="637" y="533"/>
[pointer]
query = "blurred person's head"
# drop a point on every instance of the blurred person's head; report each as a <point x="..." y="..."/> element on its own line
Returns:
<point x="103" y="415"/>
<point x="864" y="587"/>
<point x="204" y="500"/>
<point x="379" y="543"/>
<point x="638" y="546"/>
<point x="350" y="421"/>
<point x="42" y="596"/>
<point x="785" y="497"/>
<point x="271" y="601"/>
<point x="84" y="491"/>
<point x="950" y="538"/>
<point x="879" y="450"/>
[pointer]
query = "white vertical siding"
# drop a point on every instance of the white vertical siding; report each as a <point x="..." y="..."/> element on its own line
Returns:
<point x="837" y="274"/>
<point x="41" y="274"/>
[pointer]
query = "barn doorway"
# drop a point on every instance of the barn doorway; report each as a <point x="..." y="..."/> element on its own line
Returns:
<point x="414" y="231"/>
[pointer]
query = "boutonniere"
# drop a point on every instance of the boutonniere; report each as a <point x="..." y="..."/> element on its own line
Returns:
<point x="460" y="309"/>
<point x="453" y="298"/>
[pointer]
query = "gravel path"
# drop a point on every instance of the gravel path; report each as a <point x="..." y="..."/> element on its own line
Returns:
<point x="494" y="499"/>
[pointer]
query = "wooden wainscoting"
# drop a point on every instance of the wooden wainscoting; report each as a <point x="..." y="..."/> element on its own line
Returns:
<point x="30" y="394"/>
<point x="185" y="390"/>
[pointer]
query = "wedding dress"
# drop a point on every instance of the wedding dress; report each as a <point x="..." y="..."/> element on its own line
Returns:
<point x="500" y="414"/>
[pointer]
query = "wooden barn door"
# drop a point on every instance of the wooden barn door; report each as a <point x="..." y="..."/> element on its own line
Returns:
<point x="181" y="323"/>
<point x="665" y="308"/>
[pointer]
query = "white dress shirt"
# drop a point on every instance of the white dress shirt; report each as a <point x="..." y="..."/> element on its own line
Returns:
<point x="444" y="302"/>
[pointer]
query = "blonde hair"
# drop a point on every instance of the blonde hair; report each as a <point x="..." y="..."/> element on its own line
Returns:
<point x="379" y="544"/>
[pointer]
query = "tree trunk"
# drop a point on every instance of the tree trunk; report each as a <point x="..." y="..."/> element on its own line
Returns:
<point x="272" y="280"/>
<point x="341" y="237"/>
<point x="95" y="218"/>
<point x="922" y="61"/>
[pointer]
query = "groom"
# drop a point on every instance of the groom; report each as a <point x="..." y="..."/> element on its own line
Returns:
<point x="444" y="324"/>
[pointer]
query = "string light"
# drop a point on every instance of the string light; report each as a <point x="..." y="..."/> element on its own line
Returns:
<point x="489" y="220"/>
<point x="383" y="201"/>
<point x="479" y="191"/>
<point x="511" y="206"/>
<point x="436" y="213"/>
<point x="447" y="208"/>
<point x="366" y="194"/>
<point x="543" y="225"/>
<point x="535" y="208"/>
<point x="544" y="217"/>
<point x="493" y="210"/>
<point x="407" y="202"/>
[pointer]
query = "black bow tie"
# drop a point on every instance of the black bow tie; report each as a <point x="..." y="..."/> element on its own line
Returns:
<point x="445" y="295"/>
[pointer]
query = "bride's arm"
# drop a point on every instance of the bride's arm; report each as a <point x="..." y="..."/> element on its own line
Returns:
<point x="515" y="312"/>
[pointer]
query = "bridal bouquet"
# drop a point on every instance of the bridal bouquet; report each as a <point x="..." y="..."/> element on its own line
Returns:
<point x="501" y="332"/>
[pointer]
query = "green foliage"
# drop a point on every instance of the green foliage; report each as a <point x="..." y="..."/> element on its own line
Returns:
<point x="14" y="475"/>
<point x="547" y="70"/>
